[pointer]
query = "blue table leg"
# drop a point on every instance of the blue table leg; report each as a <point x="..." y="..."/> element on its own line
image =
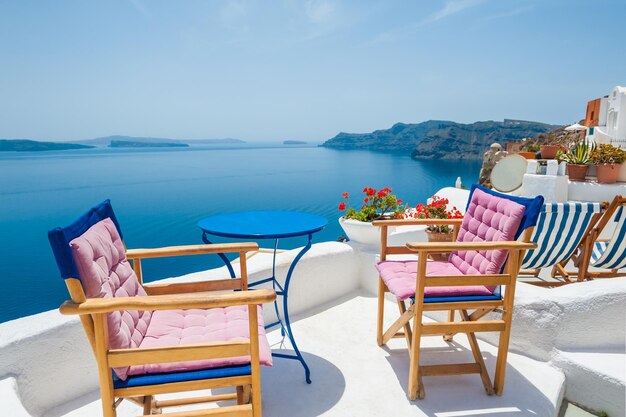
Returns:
<point x="274" y="282"/>
<point x="285" y="325"/>
<point x="206" y="240"/>
<point x="285" y="294"/>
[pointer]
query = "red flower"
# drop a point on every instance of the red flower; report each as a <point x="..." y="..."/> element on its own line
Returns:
<point x="365" y="200"/>
<point x="381" y="193"/>
<point x="400" y="201"/>
<point x="344" y="194"/>
<point x="369" y="191"/>
<point x="342" y="206"/>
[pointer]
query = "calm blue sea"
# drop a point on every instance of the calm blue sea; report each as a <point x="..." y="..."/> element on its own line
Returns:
<point x="159" y="195"/>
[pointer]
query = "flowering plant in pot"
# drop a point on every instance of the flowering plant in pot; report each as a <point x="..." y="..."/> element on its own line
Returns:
<point x="377" y="204"/>
<point x="578" y="159"/>
<point x="608" y="160"/>
<point x="437" y="208"/>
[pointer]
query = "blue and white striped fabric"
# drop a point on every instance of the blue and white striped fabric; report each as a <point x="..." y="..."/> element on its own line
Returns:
<point x="558" y="233"/>
<point x="612" y="254"/>
<point x="598" y="251"/>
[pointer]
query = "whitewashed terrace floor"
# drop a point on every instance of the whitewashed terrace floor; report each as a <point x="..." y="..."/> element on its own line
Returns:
<point x="352" y="376"/>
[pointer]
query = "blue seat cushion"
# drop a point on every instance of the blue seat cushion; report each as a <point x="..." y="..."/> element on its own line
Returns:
<point x="497" y="295"/>
<point x="170" y="377"/>
<point x="461" y="298"/>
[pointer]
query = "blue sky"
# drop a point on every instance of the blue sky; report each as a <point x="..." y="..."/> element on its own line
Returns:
<point x="274" y="70"/>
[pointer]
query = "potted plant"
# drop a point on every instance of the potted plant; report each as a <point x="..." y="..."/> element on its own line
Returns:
<point x="549" y="151"/>
<point x="381" y="204"/>
<point x="527" y="154"/>
<point x="529" y="151"/>
<point x="437" y="208"/>
<point x="577" y="158"/>
<point x="608" y="160"/>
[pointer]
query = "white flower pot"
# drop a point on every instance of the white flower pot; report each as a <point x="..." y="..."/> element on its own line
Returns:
<point x="361" y="232"/>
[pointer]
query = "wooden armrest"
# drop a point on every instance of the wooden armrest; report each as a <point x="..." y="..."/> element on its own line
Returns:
<point x="196" y="286"/>
<point x="452" y="246"/>
<point x="417" y="222"/>
<point x="168" y="302"/>
<point x="191" y="250"/>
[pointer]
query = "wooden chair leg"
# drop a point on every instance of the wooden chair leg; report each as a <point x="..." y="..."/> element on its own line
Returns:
<point x="503" y="346"/>
<point x="408" y="334"/>
<point x="478" y="357"/>
<point x="416" y="386"/>
<point x="449" y="336"/>
<point x="381" y="311"/>
<point x="247" y="394"/>
<point x="147" y="405"/>
<point x="255" y="399"/>
<point x="240" y="395"/>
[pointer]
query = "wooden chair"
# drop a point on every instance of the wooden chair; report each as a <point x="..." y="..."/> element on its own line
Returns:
<point x="470" y="280"/>
<point x="162" y="338"/>
<point x="562" y="231"/>
<point x="608" y="254"/>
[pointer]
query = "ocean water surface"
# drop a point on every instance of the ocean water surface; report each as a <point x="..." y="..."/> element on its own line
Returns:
<point x="159" y="195"/>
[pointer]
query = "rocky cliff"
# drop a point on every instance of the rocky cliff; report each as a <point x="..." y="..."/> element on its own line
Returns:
<point x="438" y="139"/>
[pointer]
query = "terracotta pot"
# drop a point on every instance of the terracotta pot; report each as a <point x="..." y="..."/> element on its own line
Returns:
<point x="527" y="155"/>
<point x="608" y="173"/>
<point x="439" y="237"/>
<point x="577" y="172"/>
<point x="549" y="151"/>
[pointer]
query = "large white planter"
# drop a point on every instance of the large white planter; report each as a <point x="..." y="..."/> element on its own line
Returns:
<point x="361" y="232"/>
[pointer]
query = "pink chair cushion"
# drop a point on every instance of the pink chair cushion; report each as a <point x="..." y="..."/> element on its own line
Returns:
<point x="101" y="261"/>
<point x="488" y="219"/>
<point x="184" y="327"/>
<point x="105" y="272"/>
<point x="400" y="276"/>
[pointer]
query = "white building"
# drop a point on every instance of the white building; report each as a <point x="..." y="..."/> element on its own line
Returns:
<point x="606" y="118"/>
<point x="606" y="121"/>
<point x="616" y="116"/>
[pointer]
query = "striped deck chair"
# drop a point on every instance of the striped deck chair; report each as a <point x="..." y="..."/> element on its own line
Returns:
<point x="608" y="254"/>
<point x="560" y="231"/>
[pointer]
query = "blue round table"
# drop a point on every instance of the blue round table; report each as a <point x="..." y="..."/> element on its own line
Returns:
<point x="268" y="225"/>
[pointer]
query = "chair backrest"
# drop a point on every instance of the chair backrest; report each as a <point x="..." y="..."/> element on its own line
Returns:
<point x="492" y="216"/>
<point x="60" y="237"/>
<point x="92" y="247"/>
<point x="614" y="255"/>
<point x="560" y="229"/>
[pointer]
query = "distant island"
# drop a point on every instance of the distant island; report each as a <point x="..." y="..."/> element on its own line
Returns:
<point x="294" y="142"/>
<point x="138" y="144"/>
<point x="26" y="145"/>
<point x="439" y="139"/>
